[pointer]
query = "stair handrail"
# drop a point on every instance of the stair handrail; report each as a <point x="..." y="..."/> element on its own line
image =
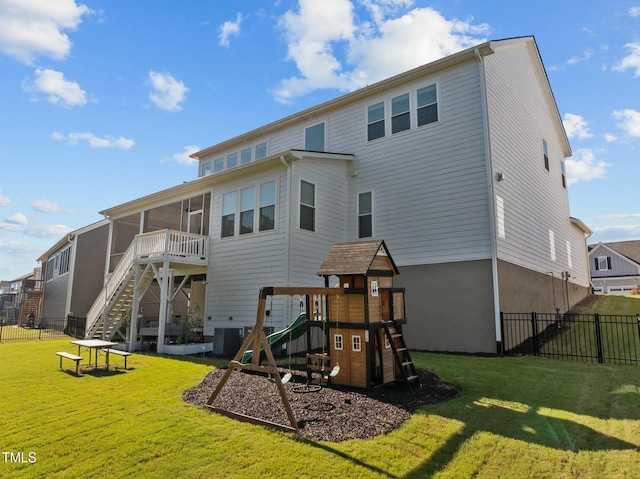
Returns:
<point x="111" y="285"/>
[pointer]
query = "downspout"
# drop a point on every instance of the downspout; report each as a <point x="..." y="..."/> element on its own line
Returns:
<point x="491" y="193"/>
<point x="288" y="235"/>
<point x="72" y="261"/>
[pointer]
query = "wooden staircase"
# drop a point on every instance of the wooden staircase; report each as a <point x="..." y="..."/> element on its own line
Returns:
<point x="116" y="298"/>
<point x="404" y="362"/>
<point x="31" y="302"/>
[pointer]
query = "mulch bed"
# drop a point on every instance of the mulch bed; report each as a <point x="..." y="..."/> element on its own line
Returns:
<point x="333" y="413"/>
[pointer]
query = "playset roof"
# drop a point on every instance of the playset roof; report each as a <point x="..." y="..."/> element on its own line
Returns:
<point x="356" y="257"/>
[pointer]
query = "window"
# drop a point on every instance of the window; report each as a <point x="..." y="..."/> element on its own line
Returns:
<point x="375" y="121"/>
<point x="400" y="116"/>
<point x="228" y="214"/>
<point x="314" y="138"/>
<point x="307" y="206"/>
<point x="545" y="154"/>
<point x="337" y="342"/>
<point x="365" y="215"/>
<point x="603" y="263"/>
<point x="267" y="206"/>
<point x="563" y="173"/>
<point x="552" y="245"/>
<point x="245" y="156"/>
<point x="356" y="343"/>
<point x="261" y="151"/>
<point x="232" y="160"/>
<point x="205" y="168"/>
<point x="63" y="264"/>
<point x="247" y="204"/>
<point x="427" y="105"/>
<point x="218" y="165"/>
<point x="48" y="269"/>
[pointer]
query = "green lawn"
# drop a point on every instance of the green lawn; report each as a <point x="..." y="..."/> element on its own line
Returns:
<point x="515" y="417"/>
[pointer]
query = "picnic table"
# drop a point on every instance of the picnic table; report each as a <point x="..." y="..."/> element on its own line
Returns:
<point x="97" y="345"/>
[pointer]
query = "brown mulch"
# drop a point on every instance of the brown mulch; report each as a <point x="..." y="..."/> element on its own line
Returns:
<point x="333" y="413"/>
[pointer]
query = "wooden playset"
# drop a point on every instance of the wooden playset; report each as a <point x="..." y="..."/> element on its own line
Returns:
<point x="360" y="319"/>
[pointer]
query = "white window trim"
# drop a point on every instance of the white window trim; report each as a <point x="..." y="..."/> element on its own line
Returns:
<point x="356" y="343"/>
<point x="315" y="206"/>
<point x="373" y="232"/>
<point x="414" y="110"/>
<point x="256" y="211"/>
<point x="326" y="134"/>
<point x="337" y="337"/>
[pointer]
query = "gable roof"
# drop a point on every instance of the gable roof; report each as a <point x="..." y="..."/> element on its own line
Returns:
<point x="355" y="257"/>
<point x="628" y="249"/>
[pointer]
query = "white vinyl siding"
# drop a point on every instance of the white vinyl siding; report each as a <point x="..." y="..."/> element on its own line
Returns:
<point x="520" y="125"/>
<point x="431" y="201"/>
<point x="240" y="266"/>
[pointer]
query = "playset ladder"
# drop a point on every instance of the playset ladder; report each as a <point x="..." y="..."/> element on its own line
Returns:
<point x="401" y="352"/>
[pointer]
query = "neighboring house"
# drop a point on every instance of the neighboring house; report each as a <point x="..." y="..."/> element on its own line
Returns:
<point x="615" y="267"/>
<point x="23" y="298"/>
<point x="73" y="271"/>
<point x="457" y="165"/>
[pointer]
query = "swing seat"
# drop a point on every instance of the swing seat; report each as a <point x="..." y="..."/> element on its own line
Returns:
<point x="335" y="371"/>
<point x="285" y="379"/>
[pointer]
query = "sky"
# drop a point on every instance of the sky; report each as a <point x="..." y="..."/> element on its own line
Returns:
<point x="102" y="102"/>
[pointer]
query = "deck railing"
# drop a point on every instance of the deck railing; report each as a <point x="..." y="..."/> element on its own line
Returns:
<point x="171" y="243"/>
<point x="175" y="245"/>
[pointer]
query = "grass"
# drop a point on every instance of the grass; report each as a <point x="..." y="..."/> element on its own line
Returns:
<point x="515" y="417"/>
<point x="618" y="329"/>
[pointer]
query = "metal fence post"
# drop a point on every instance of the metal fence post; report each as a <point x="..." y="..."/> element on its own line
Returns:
<point x="534" y="330"/>
<point x="501" y="344"/>
<point x="596" y="320"/>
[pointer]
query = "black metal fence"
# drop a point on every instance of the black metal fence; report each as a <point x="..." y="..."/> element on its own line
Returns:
<point x="582" y="337"/>
<point x="43" y="328"/>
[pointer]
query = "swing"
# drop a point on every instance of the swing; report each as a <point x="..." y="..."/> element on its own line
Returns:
<point x="287" y="377"/>
<point x="336" y="369"/>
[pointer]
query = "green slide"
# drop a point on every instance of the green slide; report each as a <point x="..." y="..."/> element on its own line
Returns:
<point x="293" y="331"/>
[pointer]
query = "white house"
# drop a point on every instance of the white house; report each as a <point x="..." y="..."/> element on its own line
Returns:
<point x="458" y="165"/>
<point x="615" y="267"/>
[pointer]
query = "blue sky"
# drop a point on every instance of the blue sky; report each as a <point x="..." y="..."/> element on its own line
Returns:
<point x="102" y="102"/>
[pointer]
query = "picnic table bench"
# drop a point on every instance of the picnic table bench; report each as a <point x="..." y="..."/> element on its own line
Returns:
<point x="72" y="357"/>
<point x="119" y="353"/>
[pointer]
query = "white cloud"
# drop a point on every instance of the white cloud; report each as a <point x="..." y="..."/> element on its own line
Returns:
<point x="17" y="219"/>
<point x="332" y="50"/>
<point x="60" y="91"/>
<point x="615" y="227"/>
<point x="168" y="93"/>
<point x="4" y="201"/>
<point x="37" y="27"/>
<point x="631" y="61"/>
<point x="585" y="56"/>
<point x="183" y="157"/>
<point x="582" y="166"/>
<point x="630" y="121"/>
<point x="228" y="29"/>
<point x="610" y="137"/>
<point x="634" y="12"/>
<point x="46" y="206"/>
<point x="121" y="143"/>
<point x="40" y="231"/>
<point x="576" y="126"/>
